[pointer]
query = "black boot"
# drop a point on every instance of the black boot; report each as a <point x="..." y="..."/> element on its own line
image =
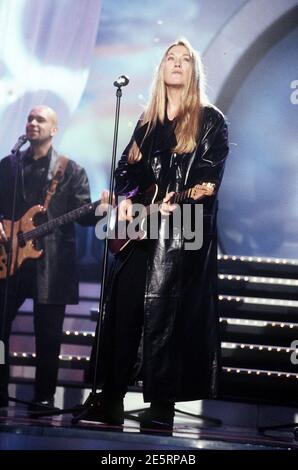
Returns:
<point x="159" y="417"/>
<point x="104" y="409"/>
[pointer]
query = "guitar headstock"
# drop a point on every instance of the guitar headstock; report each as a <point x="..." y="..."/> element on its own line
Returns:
<point x="207" y="188"/>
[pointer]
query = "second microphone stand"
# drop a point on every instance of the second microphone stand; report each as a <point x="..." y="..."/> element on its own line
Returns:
<point x="16" y="154"/>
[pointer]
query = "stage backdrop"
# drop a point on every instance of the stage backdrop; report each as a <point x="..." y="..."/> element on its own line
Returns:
<point x="68" y="53"/>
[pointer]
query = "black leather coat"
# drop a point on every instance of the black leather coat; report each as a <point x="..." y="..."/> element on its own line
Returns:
<point x="181" y="342"/>
<point x="56" y="271"/>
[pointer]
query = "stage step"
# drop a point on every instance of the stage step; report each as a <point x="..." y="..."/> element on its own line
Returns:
<point x="258" y="286"/>
<point x="256" y="266"/>
<point x="257" y="308"/>
<point x="258" y="331"/>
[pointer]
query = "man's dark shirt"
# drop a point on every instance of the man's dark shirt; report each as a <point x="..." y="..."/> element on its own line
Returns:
<point x="34" y="176"/>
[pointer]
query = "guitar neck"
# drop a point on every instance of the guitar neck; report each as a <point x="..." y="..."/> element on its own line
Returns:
<point x="179" y="197"/>
<point x="48" y="227"/>
<point x="176" y="199"/>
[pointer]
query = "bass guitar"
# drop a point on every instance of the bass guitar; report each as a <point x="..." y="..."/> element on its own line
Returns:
<point x="25" y="232"/>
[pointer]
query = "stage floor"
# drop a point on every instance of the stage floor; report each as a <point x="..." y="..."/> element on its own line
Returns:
<point x="20" y="432"/>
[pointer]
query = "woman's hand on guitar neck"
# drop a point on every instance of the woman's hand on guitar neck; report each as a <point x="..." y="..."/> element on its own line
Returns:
<point x="3" y="237"/>
<point x="166" y="207"/>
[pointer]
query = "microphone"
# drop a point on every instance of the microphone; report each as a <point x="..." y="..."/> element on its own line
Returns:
<point x="123" y="80"/>
<point x="21" y="141"/>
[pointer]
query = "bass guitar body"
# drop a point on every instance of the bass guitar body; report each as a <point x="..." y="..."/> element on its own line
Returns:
<point x="21" y="249"/>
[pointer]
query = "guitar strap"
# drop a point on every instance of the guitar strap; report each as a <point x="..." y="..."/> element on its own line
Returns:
<point x="58" y="172"/>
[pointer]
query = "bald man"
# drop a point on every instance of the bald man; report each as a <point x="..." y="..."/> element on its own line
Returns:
<point x="52" y="280"/>
<point x="41" y="127"/>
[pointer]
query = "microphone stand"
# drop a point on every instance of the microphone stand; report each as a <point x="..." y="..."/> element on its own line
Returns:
<point x="93" y="396"/>
<point x="16" y="153"/>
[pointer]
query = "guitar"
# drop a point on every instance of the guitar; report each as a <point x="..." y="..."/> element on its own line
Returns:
<point x="117" y="244"/>
<point x="25" y="232"/>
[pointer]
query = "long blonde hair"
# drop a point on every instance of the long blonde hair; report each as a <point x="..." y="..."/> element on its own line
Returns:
<point x="188" y="120"/>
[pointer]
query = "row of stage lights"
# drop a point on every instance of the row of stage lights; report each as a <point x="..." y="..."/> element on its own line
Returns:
<point x="258" y="301"/>
<point x="257" y="347"/>
<point x="257" y="323"/>
<point x="253" y="259"/>
<point x="63" y="357"/>
<point x="267" y="373"/>
<point x="230" y="370"/>
<point x="226" y="345"/>
<point x="259" y="280"/>
<point x="80" y="333"/>
<point x="229" y="321"/>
